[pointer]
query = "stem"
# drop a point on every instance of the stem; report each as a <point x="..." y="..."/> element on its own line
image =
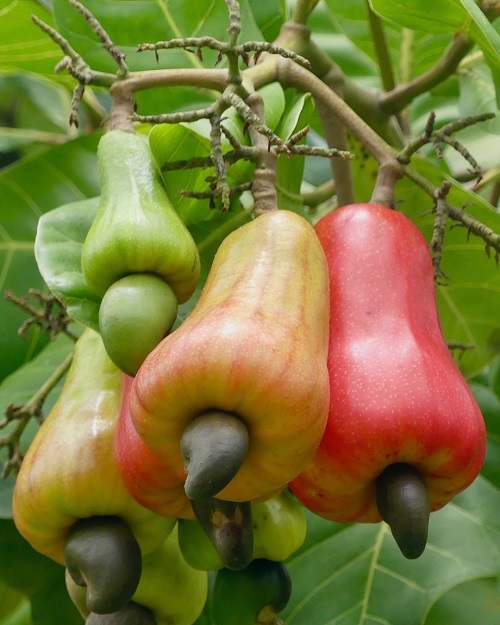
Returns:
<point x="402" y="95"/>
<point x="106" y="41"/>
<point x="302" y="10"/>
<point x="290" y="74"/>
<point x="381" y="49"/>
<point x="490" y="237"/>
<point x="336" y="136"/>
<point x="388" y="174"/>
<point x="439" y="229"/>
<point x="406" y="57"/>
<point x="264" y="182"/>
<point x="312" y="199"/>
<point x="364" y="102"/>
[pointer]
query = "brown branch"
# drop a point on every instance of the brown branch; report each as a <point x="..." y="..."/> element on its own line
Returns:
<point x="402" y="95"/>
<point x="50" y="316"/>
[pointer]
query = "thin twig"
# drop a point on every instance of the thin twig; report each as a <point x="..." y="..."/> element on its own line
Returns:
<point x="438" y="232"/>
<point x="23" y="414"/>
<point x="107" y="43"/>
<point x="474" y="226"/>
<point x="51" y="317"/>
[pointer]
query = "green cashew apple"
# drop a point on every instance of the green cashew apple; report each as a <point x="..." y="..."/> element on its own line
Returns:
<point x="138" y="254"/>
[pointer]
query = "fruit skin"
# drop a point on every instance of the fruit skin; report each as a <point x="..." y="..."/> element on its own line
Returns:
<point x="173" y="591"/>
<point x="148" y="480"/>
<point x="255" y="345"/>
<point x="169" y="587"/>
<point x="61" y="479"/>
<point x="136" y="229"/>
<point x="279" y="529"/>
<point x="136" y="312"/>
<point x="397" y="395"/>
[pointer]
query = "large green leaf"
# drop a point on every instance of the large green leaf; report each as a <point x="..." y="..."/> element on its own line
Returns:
<point x="58" y="251"/>
<point x="469" y="302"/>
<point x="36" y="577"/>
<point x="467" y="603"/>
<point x="446" y="16"/>
<point x="351" y="19"/>
<point x="11" y="601"/>
<point x="39" y="110"/>
<point x="23" y="45"/>
<point x="355" y="575"/>
<point x="29" y="188"/>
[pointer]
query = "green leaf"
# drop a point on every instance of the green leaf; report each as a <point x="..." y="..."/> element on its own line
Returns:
<point x="440" y="16"/>
<point x="486" y="37"/>
<point x="469" y="303"/>
<point x="477" y="95"/>
<point x="21" y="616"/>
<point x="24" y="46"/>
<point x="443" y="16"/>
<point x="290" y="170"/>
<point x="355" y="574"/>
<point x="182" y="142"/>
<point x="490" y="407"/>
<point x="36" y="577"/>
<point x="30" y="187"/>
<point x="58" y="250"/>
<point x="11" y="601"/>
<point x="16" y="390"/>
<point x="351" y="20"/>
<point x="39" y="103"/>
<point x="468" y="602"/>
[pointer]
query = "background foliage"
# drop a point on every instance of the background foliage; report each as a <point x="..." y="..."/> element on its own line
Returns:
<point x="343" y="575"/>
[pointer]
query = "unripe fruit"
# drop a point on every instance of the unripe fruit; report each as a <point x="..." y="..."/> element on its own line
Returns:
<point x="136" y="312"/>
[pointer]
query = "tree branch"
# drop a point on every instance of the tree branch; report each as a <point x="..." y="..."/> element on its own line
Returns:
<point x="402" y="95"/>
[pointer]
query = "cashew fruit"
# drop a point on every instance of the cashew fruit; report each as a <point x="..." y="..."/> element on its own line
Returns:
<point x="397" y="398"/>
<point x="255" y="347"/>
<point x="138" y="255"/>
<point x="263" y="590"/>
<point x="131" y="614"/>
<point x="170" y="591"/>
<point x="228" y="526"/>
<point x="135" y="313"/>
<point x="69" y="472"/>
<point x="147" y="478"/>
<point x="102" y="555"/>
<point x="279" y="529"/>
